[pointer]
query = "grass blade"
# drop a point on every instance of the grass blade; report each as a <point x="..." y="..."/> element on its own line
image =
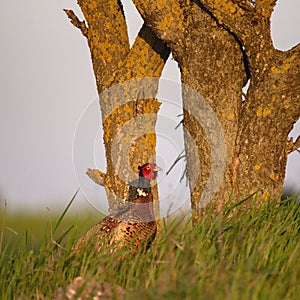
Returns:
<point x="64" y="212"/>
<point x="60" y="239"/>
<point x="3" y="225"/>
<point x="240" y="202"/>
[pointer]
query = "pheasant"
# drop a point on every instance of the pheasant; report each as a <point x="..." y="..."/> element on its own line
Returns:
<point x="133" y="226"/>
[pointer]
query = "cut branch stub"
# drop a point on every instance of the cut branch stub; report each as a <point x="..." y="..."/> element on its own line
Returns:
<point x="76" y="22"/>
<point x="97" y="176"/>
<point x="293" y="146"/>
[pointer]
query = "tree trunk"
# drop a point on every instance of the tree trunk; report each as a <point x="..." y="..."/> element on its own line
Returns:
<point x="219" y="45"/>
<point x="127" y="100"/>
<point x="271" y="109"/>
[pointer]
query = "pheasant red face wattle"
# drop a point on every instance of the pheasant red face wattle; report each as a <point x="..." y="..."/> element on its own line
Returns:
<point x="149" y="171"/>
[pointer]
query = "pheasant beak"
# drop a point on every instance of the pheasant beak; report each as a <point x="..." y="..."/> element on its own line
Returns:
<point x="157" y="169"/>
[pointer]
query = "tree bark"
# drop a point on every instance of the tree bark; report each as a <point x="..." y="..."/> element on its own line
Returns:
<point x="272" y="103"/>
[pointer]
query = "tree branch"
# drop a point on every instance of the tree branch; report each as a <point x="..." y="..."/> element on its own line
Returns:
<point x="287" y="74"/>
<point x="97" y="176"/>
<point x="179" y="157"/>
<point x="149" y="64"/>
<point x="165" y="18"/>
<point x="76" y="22"/>
<point x="265" y="7"/>
<point x="293" y="146"/>
<point x="107" y="37"/>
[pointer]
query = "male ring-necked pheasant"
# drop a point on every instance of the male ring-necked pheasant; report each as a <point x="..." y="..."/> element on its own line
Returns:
<point x="133" y="226"/>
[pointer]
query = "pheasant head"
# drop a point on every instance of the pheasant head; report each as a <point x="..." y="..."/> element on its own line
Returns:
<point x="149" y="171"/>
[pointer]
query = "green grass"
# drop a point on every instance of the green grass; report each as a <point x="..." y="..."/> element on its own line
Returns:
<point x="250" y="255"/>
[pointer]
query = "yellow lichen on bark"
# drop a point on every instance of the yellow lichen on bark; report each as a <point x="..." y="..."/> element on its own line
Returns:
<point x="265" y="7"/>
<point x="160" y="4"/>
<point x="90" y="4"/>
<point x="288" y="62"/>
<point x="221" y="7"/>
<point x="168" y="16"/>
<point x="149" y="154"/>
<point x="166" y="21"/>
<point x="274" y="177"/>
<point x="257" y="167"/>
<point x="263" y="111"/>
<point x="142" y="60"/>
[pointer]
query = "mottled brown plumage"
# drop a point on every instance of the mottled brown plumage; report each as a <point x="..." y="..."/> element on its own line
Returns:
<point x="131" y="228"/>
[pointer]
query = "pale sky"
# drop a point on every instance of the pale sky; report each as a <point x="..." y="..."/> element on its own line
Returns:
<point x="47" y="82"/>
